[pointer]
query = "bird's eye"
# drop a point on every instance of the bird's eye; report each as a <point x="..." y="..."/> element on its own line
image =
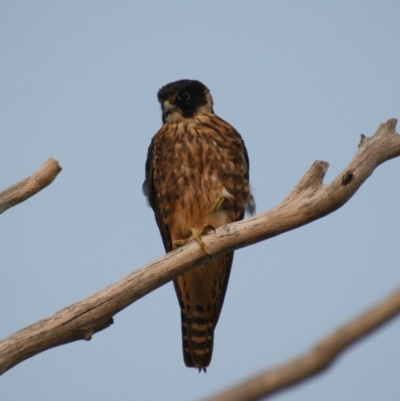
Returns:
<point x="185" y="96"/>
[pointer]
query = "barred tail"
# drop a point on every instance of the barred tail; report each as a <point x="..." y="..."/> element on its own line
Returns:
<point x="198" y="339"/>
<point x="201" y="294"/>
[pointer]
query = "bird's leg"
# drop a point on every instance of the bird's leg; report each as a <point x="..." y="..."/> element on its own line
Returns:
<point x="218" y="203"/>
<point x="196" y="236"/>
<point x="204" y="230"/>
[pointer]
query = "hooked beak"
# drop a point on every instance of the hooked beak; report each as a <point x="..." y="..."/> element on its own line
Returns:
<point x="167" y="108"/>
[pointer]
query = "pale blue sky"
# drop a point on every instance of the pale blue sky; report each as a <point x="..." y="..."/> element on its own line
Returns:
<point x="300" y="81"/>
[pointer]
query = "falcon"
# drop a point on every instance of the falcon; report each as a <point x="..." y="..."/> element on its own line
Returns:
<point x="197" y="179"/>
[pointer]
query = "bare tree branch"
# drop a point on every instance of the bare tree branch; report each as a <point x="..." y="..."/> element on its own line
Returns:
<point x="30" y="186"/>
<point x="310" y="200"/>
<point x="315" y="361"/>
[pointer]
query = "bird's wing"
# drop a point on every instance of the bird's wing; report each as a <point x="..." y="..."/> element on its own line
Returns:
<point x="151" y="194"/>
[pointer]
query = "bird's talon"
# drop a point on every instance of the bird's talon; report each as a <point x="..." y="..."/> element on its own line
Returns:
<point x="196" y="237"/>
<point x="205" y="228"/>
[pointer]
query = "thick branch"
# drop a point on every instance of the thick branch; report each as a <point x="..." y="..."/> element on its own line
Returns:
<point x="24" y="189"/>
<point x="318" y="359"/>
<point x="310" y="200"/>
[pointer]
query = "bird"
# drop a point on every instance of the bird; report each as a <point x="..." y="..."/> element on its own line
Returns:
<point x="196" y="180"/>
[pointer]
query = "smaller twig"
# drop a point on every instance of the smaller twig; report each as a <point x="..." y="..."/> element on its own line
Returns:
<point x="30" y="186"/>
<point x="312" y="179"/>
<point x="315" y="361"/>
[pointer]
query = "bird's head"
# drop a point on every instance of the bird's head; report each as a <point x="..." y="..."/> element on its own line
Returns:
<point x="184" y="99"/>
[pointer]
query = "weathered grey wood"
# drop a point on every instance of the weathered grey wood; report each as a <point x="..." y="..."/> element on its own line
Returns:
<point x="30" y="186"/>
<point x="315" y="361"/>
<point x="309" y="200"/>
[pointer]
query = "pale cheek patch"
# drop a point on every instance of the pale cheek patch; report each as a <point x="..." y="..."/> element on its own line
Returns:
<point x="175" y="117"/>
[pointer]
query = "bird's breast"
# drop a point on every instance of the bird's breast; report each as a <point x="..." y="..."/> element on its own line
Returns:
<point x="197" y="163"/>
<point x="194" y="156"/>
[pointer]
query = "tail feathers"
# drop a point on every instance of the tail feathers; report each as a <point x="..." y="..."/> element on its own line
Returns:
<point x="198" y="336"/>
<point x="201" y="294"/>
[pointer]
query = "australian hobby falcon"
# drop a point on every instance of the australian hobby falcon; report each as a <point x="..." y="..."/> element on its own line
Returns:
<point x="197" y="179"/>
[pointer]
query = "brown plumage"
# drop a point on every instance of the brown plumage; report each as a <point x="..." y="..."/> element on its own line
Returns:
<point x="197" y="177"/>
